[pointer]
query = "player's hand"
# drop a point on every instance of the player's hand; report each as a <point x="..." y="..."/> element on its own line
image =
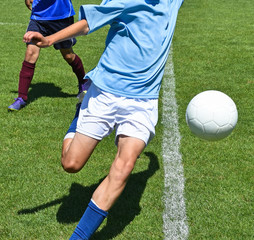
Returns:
<point x="37" y="39"/>
<point x="29" y="4"/>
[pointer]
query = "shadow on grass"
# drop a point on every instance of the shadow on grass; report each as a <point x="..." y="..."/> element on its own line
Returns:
<point x="38" y="90"/>
<point x="122" y="213"/>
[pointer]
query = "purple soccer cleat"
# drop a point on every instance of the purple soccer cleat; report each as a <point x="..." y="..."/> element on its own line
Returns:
<point x="17" y="105"/>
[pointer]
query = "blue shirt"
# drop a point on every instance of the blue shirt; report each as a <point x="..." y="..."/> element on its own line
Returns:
<point x="52" y="9"/>
<point x="137" y="45"/>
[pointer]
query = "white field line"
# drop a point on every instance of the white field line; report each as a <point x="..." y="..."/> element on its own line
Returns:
<point x="12" y="24"/>
<point x="175" y="224"/>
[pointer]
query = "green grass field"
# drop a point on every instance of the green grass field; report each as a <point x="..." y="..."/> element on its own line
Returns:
<point x="213" y="48"/>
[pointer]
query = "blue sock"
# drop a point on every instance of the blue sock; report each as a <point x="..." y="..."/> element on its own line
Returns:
<point x="73" y="126"/>
<point x="90" y="221"/>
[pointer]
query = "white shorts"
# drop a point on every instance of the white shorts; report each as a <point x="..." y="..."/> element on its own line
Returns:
<point x="102" y="112"/>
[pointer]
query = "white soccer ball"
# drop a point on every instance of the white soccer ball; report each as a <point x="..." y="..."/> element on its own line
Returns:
<point x="211" y="115"/>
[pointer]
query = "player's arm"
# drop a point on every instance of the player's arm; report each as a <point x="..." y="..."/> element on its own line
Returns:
<point x="77" y="29"/>
<point x="29" y="4"/>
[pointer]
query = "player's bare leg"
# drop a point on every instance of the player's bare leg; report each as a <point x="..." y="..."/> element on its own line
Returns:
<point x="110" y="189"/>
<point x="25" y="77"/>
<point x="76" y="152"/>
<point x="68" y="54"/>
<point x="32" y="53"/>
<point x="77" y="67"/>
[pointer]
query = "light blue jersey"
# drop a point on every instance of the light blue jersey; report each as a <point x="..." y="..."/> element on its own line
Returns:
<point x="52" y="9"/>
<point x="137" y="45"/>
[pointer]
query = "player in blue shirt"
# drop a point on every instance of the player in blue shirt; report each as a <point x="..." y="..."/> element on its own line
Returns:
<point x="47" y="17"/>
<point x="123" y="94"/>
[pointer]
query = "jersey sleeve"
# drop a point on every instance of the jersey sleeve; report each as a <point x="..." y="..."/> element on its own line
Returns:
<point x="98" y="16"/>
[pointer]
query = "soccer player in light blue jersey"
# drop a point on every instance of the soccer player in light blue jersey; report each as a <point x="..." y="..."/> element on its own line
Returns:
<point x="123" y="94"/>
<point x="47" y="17"/>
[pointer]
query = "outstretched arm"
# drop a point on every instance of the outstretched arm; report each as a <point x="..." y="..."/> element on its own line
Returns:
<point x="77" y="29"/>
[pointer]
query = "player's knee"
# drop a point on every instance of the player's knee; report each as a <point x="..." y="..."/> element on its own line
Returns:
<point x="70" y="166"/>
<point x="123" y="169"/>
<point x="31" y="56"/>
<point x="69" y="57"/>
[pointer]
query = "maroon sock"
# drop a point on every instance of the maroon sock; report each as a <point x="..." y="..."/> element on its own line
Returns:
<point x="25" y="78"/>
<point x="78" y="69"/>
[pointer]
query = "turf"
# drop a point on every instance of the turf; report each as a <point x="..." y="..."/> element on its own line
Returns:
<point x="212" y="49"/>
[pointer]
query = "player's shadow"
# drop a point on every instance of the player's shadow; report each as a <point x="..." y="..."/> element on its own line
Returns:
<point x="42" y="89"/>
<point x="122" y="213"/>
